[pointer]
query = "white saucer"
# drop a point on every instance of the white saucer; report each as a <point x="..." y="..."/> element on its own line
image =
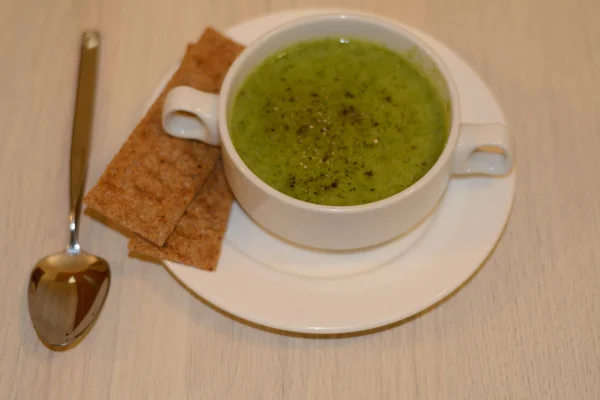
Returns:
<point x="273" y="283"/>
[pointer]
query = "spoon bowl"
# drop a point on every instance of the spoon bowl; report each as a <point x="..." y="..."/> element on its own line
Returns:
<point x="66" y="292"/>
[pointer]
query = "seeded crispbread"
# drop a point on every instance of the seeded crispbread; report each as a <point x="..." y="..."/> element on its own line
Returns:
<point x="198" y="235"/>
<point x="154" y="176"/>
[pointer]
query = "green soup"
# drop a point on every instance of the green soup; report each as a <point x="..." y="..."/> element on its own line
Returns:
<point x="338" y="122"/>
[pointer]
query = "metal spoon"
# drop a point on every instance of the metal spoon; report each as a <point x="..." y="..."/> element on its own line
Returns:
<point x="67" y="290"/>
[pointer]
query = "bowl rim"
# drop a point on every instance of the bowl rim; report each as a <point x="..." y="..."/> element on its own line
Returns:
<point x="350" y="17"/>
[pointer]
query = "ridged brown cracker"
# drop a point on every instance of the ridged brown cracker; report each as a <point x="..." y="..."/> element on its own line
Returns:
<point x="199" y="233"/>
<point x="154" y="177"/>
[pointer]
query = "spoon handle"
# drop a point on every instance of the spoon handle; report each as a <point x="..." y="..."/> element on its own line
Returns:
<point x="82" y="126"/>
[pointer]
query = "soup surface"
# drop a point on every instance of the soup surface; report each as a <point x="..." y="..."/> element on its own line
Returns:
<point x="338" y="122"/>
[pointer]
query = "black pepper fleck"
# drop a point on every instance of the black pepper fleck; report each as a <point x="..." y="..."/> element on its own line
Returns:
<point x="302" y="130"/>
<point x="347" y="110"/>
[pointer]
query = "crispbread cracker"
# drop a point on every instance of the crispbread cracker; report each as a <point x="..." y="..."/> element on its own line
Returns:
<point x="154" y="176"/>
<point x="198" y="235"/>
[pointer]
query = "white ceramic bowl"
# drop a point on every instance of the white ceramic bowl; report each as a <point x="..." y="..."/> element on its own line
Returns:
<point x="470" y="149"/>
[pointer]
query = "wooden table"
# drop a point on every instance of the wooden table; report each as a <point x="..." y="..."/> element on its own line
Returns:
<point x="527" y="326"/>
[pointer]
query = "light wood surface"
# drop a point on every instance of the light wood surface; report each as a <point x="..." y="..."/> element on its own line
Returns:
<point x="527" y="326"/>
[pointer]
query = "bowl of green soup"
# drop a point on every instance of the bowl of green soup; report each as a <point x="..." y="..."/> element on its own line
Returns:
<point x="339" y="131"/>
